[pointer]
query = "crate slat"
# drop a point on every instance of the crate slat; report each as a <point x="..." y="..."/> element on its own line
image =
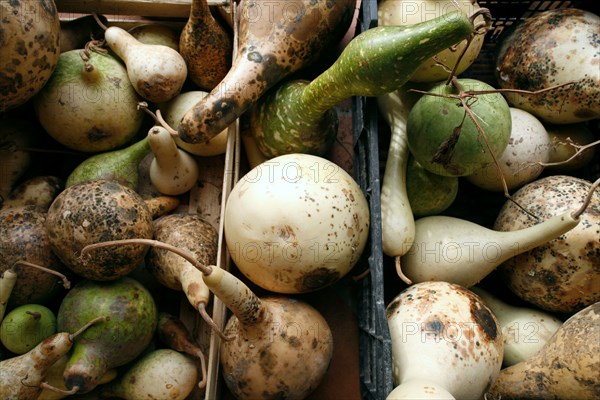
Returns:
<point x="144" y="8"/>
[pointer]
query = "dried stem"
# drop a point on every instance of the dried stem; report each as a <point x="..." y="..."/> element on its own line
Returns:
<point x="586" y="202"/>
<point x="580" y="149"/>
<point x="157" y="118"/>
<point x="400" y="273"/>
<point x="72" y="391"/>
<point x="66" y="283"/>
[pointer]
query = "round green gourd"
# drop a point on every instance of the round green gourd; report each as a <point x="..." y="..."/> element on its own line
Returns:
<point x="443" y="138"/>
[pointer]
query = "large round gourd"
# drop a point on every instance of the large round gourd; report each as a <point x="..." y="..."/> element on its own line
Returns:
<point x="29" y="49"/>
<point x="296" y="223"/>
<point x="561" y="275"/>
<point x="552" y="48"/>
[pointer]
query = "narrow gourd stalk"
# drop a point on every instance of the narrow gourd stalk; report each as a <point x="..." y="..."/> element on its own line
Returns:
<point x="21" y="377"/>
<point x="65" y="282"/>
<point x="298" y="116"/>
<point x="458" y="251"/>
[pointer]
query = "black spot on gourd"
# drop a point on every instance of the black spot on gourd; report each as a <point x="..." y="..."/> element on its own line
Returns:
<point x="317" y="279"/>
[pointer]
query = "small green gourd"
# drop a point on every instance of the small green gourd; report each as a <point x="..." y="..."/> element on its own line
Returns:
<point x="297" y="116"/>
<point x="121" y="165"/>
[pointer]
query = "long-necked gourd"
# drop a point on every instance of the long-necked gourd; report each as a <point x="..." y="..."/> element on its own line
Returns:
<point x="298" y="115"/>
<point x="276" y="39"/>
<point x="397" y="220"/>
<point x="456" y="250"/>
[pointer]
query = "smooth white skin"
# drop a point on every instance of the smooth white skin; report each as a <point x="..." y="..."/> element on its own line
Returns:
<point x="296" y="218"/>
<point x="528" y="147"/>
<point x="409" y="12"/>
<point x="525" y="330"/>
<point x="173" y="110"/>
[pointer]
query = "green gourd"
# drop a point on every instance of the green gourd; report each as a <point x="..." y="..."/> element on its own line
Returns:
<point x="298" y="116"/>
<point x="26" y="326"/>
<point x="121" y="165"/>
<point x="128" y="330"/>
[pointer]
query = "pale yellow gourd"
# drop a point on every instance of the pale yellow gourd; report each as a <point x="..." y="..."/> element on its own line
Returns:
<point x="172" y="171"/>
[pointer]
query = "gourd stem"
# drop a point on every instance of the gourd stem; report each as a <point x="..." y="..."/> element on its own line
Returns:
<point x="65" y="281"/>
<point x="586" y="202"/>
<point x="84" y="327"/>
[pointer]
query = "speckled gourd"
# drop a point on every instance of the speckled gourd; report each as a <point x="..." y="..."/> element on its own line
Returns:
<point x="276" y="39"/>
<point x="298" y="115"/>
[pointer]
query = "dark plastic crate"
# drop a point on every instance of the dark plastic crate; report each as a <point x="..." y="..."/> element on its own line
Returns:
<point x="375" y="350"/>
<point x="370" y="151"/>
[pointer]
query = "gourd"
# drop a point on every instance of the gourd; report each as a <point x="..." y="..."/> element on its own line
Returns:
<point x="172" y="112"/>
<point x="156" y="33"/>
<point x="24" y="327"/>
<point x="26" y="250"/>
<point x="304" y="250"/>
<point x="93" y="211"/>
<point x="297" y="116"/>
<point x="455" y="59"/>
<point x="130" y="324"/>
<point x="525" y="330"/>
<point x="157" y="72"/>
<point x="193" y="233"/>
<point x="205" y="46"/>
<point x="397" y="220"/>
<point x="158" y="374"/>
<point x="276" y="39"/>
<point x="121" y="165"/>
<point x="560" y="275"/>
<point x="21" y="377"/>
<point x="456" y="250"/>
<point x="444" y="334"/>
<point x="15" y="134"/>
<point x="87" y="86"/>
<point x="37" y="191"/>
<point x="276" y="346"/>
<point x="522" y="161"/>
<point x="172" y="170"/>
<point x="30" y="49"/>
<point x="458" y="127"/>
<point x="565" y="368"/>
<point x="566" y="40"/>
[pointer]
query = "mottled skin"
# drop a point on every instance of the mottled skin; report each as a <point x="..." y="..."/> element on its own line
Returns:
<point x="132" y="320"/>
<point x="562" y="275"/>
<point x="566" y="368"/>
<point x="98" y="211"/>
<point x="205" y="46"/>
<point x="29" y="49"/>
<point x="299" y="117"/>
<point x="284" y="355"/>
<point x="189" y="232"/>
<point x="275" y="40"/>
<point x="444" y="334"/>
<point x="552" y="48"/>
<point x="23" y="237"/>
